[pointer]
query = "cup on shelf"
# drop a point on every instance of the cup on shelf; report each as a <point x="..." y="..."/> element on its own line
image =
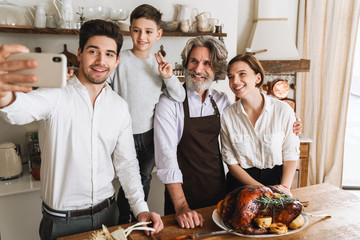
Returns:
<point x="204" y="26"/>
<point x="213" y="22"/>
<point x="204" y="16"/>
<point x="185" y="25"/>
<point x="218" y="28"/>
<point x="50" y="21"/>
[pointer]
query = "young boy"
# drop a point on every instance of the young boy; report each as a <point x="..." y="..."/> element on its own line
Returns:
<point x="140" y="78"/>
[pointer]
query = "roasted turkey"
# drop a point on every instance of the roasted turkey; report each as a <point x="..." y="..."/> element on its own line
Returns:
<point x="241" y="206"/>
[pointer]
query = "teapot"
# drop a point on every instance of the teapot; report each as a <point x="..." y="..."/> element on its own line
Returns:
<point x="185" y="12"/>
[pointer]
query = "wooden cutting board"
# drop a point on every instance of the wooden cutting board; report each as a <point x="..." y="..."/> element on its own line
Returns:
<point x="71" y="58"/>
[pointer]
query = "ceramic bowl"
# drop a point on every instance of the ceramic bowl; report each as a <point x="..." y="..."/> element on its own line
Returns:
<point x="169" y="26"/>
<point x="118" y="14"/>
<point x="98" y="12"/>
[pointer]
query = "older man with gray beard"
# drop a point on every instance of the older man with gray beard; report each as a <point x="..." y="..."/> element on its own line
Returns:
<point x="187" y="154"/>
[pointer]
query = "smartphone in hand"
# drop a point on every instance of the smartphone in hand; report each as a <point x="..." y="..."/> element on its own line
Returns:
<point x="50" y="72"/>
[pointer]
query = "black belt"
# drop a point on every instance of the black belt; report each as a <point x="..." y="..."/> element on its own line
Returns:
<point x="81" y="212"/>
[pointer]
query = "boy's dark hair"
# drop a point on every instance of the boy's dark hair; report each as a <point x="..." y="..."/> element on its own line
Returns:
<point x="146" y="11"/>
<point x="100" y="27"/>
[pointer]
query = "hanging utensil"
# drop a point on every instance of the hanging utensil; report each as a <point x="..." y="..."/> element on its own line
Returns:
<point x="71" y="58"/>
<point x="280" y="88"/>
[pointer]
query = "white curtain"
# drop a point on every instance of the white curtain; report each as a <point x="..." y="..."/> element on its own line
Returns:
<point x="326" y="36"/>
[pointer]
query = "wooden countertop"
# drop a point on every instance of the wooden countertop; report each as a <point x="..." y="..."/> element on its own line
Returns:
<point x="343" y="206"/>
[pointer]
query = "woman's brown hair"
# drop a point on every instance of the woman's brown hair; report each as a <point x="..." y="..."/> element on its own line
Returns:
<point x="253" y="63"/>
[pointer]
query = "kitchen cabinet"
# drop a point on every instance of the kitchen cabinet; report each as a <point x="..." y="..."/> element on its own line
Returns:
<point x="302" y="170"/>
<point x="304" y="163"/>
<point x="20" y="208"/>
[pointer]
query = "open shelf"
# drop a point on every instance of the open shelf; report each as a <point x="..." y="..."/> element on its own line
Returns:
<point x="32" y="30"/>
<point x="286" y="66"/>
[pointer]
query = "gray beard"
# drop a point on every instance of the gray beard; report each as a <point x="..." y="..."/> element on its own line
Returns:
<point x="194" y="84"/>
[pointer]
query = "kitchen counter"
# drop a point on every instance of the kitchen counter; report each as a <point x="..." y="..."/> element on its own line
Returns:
<point x="323" y="199"/>
<point x="26" y="183"/>
<point x="304" y="139"/>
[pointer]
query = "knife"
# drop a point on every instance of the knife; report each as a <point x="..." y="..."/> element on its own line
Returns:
<point x="193" y="235"/>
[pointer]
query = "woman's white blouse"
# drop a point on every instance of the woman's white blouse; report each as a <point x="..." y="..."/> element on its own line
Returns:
<point x="269" y="143"/>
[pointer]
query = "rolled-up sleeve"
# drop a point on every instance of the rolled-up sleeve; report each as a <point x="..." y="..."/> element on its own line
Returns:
<point x="166" y="141"/>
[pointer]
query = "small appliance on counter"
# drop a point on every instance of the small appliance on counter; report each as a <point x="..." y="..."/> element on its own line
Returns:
<point x="34" y="154"/>
<point x="10" y="161"/>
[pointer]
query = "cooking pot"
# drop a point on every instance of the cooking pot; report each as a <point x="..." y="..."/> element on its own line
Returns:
<point x="280" y="88"/>
<point x="10" y="161"/>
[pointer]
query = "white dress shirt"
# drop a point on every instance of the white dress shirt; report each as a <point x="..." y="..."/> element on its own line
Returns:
<point x="139" y="82"/>
<point x="82" y="147"/>
<point x="169" y="126"/>
<point x="269" y="143"/>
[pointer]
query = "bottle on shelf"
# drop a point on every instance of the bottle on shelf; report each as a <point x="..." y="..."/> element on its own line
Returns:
<point x="40" y="16"/>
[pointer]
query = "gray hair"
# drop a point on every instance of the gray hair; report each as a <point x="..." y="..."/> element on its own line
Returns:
<point x="218" y="54"/>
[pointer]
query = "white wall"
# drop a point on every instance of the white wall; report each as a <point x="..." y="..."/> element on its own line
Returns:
<point x="172" y="45"/>
<point x="247" y="12"/>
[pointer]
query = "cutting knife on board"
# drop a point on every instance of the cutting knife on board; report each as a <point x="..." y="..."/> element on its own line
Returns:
<point x="193" y="235"/>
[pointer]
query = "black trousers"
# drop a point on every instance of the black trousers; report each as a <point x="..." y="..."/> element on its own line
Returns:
<point x="144" y="146"/>
<point x="268" y="176"/>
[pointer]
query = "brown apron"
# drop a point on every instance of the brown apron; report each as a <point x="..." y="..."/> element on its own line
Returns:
<point x="200" y="161"/>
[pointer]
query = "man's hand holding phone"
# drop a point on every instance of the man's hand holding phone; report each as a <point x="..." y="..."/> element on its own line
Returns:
<point x="12" y="82"/>
<point x="50" y="71"/>
<point x="9" y="81"/>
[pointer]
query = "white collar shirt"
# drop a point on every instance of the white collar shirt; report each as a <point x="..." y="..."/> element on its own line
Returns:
<point x="270" y="142"/>
<point x="169" y="126"/>
<point x="82" y="147"/>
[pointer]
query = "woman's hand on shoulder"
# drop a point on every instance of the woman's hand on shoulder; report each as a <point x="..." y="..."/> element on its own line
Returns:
<point x="297" y="127"/>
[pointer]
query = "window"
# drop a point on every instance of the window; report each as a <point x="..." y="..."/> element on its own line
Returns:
<point x="351" y="170"/>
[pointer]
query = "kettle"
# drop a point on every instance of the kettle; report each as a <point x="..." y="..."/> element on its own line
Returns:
<point x="10" y="161"/>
